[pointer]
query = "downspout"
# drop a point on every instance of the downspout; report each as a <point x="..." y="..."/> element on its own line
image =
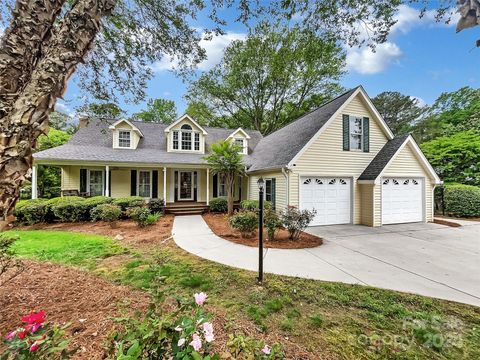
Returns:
<point x="287" y="184"/>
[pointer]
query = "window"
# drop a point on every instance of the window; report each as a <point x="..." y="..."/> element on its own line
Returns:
<point x="197" y="141"/>
<point x="175" y="140"/>
<point x="222" y="186"/>
<point x="270" y="191"/>
<point x="124" y="138"/>
<point x="95" y="183"/>
<point x="145" y="183"/>
<point x="186" y="140"/>
<point x="356" y="133"/>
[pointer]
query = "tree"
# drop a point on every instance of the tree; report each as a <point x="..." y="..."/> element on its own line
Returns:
<point x="105" y="110"/>
<point x="456" y="158"/>
<point x="399" y="111"/>
<point x="201" y="113"/>
<point x="61" y="121"/>
<point x="113" y="44"/>
<point x="226" y="161"/>
<point x="267" y="80"/>
<point x="158" y="111"/>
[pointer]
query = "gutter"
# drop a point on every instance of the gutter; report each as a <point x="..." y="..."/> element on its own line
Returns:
<point x="287" y="184"/>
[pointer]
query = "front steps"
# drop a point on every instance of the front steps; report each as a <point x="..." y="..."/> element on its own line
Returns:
<point x="187" y="208"/>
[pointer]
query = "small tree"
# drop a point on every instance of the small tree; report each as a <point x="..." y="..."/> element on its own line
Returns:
<point x="226" y="161"/>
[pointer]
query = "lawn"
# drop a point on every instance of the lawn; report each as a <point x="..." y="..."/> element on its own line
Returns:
<point x="330" y="320"/>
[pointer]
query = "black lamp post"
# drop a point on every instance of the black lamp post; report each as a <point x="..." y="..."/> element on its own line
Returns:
<point x="261" y="184"/>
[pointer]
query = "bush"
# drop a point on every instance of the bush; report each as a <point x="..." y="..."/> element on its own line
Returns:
<point x="142" y="216"/>
<point x="93" y="202"/>
<point x="245" y="221"/>
<point x="71" y="211"/>
<point x="31" y="211"/>
<point x="253" y="205"/>
<point x="295" y="220"/>
<point x="128" y="202"/>
<point x="219" y="205"/>
<point x="462" y="200"/>
<point x="50" y="216"/>
<point x="272" y="223"/>
<point x="106" y="212"/>
<point x="156" y="205"/>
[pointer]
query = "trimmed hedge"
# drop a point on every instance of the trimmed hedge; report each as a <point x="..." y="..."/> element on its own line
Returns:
<point x="219" y="205"/>
<point x="462" y="200"/>
<point x="73" y="211"/>
<point x="128" y="202"/>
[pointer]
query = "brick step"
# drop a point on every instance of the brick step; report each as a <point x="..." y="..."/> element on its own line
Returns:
<point x="187" y="211"/>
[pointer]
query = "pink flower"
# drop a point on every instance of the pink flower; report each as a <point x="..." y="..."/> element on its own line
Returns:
<point x="35" y="327"/>
<point x="11" y="335"/>
<point x="181" y="342"/>
<point x="34" y="318"/>
<point x="200" y="298"/>
<point x="208" y="332"/>
<point x="196" y="342"/>
<point x="178" y="329"/>
<point x="34" y="346"/>
<point x="266" y="350"/>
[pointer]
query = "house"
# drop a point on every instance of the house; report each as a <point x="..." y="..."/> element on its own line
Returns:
<point x="341" y="160"/>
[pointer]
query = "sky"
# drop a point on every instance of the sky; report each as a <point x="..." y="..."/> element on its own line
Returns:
<point x="421" y="58"/>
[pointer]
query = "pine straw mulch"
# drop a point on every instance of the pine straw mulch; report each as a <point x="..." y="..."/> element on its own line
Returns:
<point x="218" y="223"/>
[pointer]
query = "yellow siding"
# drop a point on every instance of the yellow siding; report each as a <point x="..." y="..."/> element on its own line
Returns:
<point x="326" y="157"/>
<point x="377" y="205"/>
<point x="407" y="164"/>
<point x="177" y="127"/>
<point x="367" y="204"/>
<point x="280" y="191"/>
<point x="120" y="183"/>
<point x="70" y="177"/>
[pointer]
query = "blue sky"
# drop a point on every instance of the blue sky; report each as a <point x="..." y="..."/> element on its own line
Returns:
<point x="421" y="58"/>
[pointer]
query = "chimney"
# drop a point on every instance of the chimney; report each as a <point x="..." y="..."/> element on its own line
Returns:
<point x="82" y="121"/>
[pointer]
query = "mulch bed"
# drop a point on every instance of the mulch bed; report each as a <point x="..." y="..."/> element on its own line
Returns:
<point x="68" y="296"/>
<point x="220" y="226"/>
<point x="446" y="222"/>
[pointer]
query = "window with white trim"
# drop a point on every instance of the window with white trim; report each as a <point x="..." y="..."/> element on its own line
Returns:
<point x="197" y="141"/>
<point x="144" y="183"/>
<point x="356" y="133"/>
<point x="175" y="139"/>
<point x="95" y="182"/>
<point x="124" y="138"/>
<point x="222" y="186"/>
<point x="242" y="144"/>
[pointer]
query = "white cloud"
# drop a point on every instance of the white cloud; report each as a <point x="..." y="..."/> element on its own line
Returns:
<point x="62" y="107"/>
<point x="214" y="50"/>
<point x="420" y="101"/>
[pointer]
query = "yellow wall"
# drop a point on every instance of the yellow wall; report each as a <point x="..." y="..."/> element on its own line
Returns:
<point x="367" y="204"/>
<point x="178" y="127"/>
<point x="326" y="157"/>
<point x="125" y="126"/>
<point x="280" y="190"/>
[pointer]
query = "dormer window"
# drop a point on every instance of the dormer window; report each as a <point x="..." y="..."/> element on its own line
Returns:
<point x="242" y="144"/>
<point x="185" y="134"/>
<point x="240" y="138"/>
<point x="124" y="138"/>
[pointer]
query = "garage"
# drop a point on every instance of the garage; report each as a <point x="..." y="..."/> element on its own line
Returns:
<point x="330" y="197"/>
<point x="402" y="200"/>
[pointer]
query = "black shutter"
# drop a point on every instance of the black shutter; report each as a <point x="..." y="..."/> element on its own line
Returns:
<point x="366" y="134"/>
<point x="133" y="182"/>
<point x="110" y="181"/>
<point x="346" y="132"/>
<point x="83" y="180"/>
<point x="195" y="187"/>
<point x="215" y="185"/>
<point x="274" y="192"/>
<point x="155" y="184"/>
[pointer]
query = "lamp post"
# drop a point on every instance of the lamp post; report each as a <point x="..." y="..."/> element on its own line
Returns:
<point x="260" y="184"/>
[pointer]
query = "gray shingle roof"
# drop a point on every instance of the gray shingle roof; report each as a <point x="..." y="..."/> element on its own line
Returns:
<point x="94" y="143"/>
<point x="280" y="147"/>
<point x="382" y="158"/>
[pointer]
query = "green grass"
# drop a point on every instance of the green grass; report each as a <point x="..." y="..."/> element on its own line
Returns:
<point x="332" y="320"/>
<point x="63" y="247"/>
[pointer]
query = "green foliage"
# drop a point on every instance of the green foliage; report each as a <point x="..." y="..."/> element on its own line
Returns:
<point x="31" y="211"/>
<point x="294" y="70"/>
<point x="316" y="321"/>
<point x="245" y="221"/>
<point x="106" y="212"/>
<point x="128" y="202"/>
<point x="399" y="111"/>
<point x="253" y="205"/>
<point x="219" y="205"/>
<point x="295" y="220"/>
<point x="158" y="111"/>
<point x="242" y="347"/>
<point x="455" y="158"/>
<point x="462" y="200"/>
<point x="142" y="216"/>
<point x="272" y="223"/>
<point x="156" y="205"/>
<point x="101" y="110"/>
<point x="71" y="211"/>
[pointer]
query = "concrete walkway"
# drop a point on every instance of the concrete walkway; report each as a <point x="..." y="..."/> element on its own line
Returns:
<point x="427" y="259"/>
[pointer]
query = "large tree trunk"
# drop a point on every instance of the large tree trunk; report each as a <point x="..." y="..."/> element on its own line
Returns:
<point x="28" y="117"/>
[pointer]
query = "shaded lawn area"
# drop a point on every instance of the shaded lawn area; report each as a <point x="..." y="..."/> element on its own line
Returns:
<point x="331" y="320"/>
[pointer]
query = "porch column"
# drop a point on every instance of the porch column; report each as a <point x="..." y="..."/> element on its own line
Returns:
<point x="34" y="182"/>
<point x="107" y="180"/>
<point x="208" y="186"/>
<point x="165" y="185"/>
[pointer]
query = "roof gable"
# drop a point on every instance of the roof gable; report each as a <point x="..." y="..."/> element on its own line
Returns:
<point x="182" y="118"/>
<point x="237" y="131"/>
<point x="129" y="123"/>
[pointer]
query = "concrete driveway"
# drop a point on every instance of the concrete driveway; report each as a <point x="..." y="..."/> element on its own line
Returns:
<point x="426" y="259"/>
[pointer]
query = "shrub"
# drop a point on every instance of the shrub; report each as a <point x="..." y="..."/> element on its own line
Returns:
<point x="253" y="205"/>
<point x="93" y="202"/>
<point x="31" y="211"/>
<point x="156" y="205"/>
<point x="272" y="223"/>
<point x="245" y="221"/>
<point x="71" y="211"/>
<point x="50" y="216"/>
<point x="295" y="220"/>
<point x="219" y="205"/>
<point x="128" y="202"/>
<point x="142" y="216"/>
<point x="106" y="212"/>
<point x="462" y="200"/>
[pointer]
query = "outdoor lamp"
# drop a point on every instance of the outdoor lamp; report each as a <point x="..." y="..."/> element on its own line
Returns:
<point x="260" y="183"/>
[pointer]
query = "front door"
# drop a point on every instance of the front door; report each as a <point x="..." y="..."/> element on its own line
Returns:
<point x="185" y="185"/>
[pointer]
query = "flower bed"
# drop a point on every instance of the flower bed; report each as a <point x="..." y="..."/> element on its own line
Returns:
<point x="220" y="226"/>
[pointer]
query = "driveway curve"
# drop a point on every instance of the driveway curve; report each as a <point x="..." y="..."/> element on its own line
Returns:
<point x="426" y="259"/>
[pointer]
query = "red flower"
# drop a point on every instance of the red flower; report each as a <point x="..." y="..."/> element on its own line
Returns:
<point x="34" y="346"/>
<point x="21" y="334"/>
<point x="34" y="318"/>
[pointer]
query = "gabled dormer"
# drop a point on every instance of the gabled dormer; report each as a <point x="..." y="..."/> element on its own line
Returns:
<point x="125" y="134"/>
<point x="186" y="135"/>
<point x="240" y="137"/>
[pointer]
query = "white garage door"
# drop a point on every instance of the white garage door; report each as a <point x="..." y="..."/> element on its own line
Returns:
<point x="402" y="200"/>
<point x="330" y="197"/>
